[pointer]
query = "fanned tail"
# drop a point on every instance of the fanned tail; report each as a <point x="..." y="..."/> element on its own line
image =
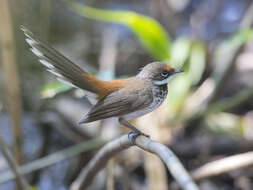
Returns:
<point x="65" y="70"/>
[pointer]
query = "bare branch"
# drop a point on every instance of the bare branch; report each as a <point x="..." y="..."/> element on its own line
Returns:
<point x="54" y="158"/>
<point x="11" y="77"/>
<point x="223" y="165"/>
<point x="23" y="184"/>
<point x="124" y="142"/>
<point x="247" y="20"/>
<point x="229" y="60"/>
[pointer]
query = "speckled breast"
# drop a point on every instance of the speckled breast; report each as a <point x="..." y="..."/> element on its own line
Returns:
<point x="159" y="95"/>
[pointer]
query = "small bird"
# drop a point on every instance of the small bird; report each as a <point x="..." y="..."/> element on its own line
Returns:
<point x="125" y="98"/>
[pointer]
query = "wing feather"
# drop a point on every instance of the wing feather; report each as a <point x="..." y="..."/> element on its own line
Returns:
<point x="119" y="103"/>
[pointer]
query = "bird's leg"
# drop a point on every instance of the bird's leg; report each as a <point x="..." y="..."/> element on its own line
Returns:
<point x="135" y="132"/>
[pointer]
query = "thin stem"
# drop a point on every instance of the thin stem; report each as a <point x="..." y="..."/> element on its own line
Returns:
<point x="23" y="184"/>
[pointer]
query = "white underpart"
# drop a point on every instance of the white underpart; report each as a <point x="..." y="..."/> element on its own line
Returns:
<point x="161" y="82"/>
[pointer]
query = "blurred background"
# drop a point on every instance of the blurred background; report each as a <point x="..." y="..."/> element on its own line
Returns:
<point x="207" y="117"/>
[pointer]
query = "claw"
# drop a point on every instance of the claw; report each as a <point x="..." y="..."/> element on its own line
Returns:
<point x="133" y="135"/>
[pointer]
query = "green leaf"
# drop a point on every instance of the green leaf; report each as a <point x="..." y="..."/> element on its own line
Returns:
<point x="34" y="188"/>
<point x="180" y="50"/>
<point x="149" y="32"/>
<point x="196" y="63"/>
<point x="179" y="89"/>
<point x="191" y="55"/>
<point x="54" y="88"/>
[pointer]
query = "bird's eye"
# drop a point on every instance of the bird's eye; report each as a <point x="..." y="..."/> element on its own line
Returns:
<point x="165" y="73"/>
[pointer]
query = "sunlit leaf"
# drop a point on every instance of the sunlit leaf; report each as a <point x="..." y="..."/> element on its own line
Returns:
<point x="192" y="59"/>
<point x="150" y="33"/>
<point x="178" y="89"/>
<point x="196" y="63"/>
<point x="51" y="89"/>
<point x="180" y="50"/>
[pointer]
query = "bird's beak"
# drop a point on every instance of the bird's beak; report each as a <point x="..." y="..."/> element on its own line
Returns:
<point x="178" y="71"/>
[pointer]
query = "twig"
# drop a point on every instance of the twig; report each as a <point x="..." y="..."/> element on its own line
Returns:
<point x="108" y="56"/>
<point x="124" y="142"/>
<point x="247" y="21"/>
<point x="53" y="158"/>
<point x="11" y="77"/>
<point x="193" y="147"/>
<point x="223" y="165"/>
<point x="231" y="102"/>
<point x="221" y="77"/>
<point x="230" y="59"/>
<point x="110" y="175"/>
<point x="223" y="105"/>
<point x="23" y="184"/>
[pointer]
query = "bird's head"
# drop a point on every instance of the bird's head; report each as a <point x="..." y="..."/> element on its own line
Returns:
<point x="159" y="73"/>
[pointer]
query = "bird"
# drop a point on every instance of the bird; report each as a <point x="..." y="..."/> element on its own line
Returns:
<point x="125" y="99"/>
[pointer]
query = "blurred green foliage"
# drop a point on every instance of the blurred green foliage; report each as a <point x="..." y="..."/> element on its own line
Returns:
<point x="54" y="88"/>
<point x="34" y="188"/>
<point x="150" y="33"/>
<point x="192" y="59"/>
<point x="239" y="38"/>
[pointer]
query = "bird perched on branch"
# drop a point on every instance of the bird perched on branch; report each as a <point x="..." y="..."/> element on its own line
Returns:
<point x="125" y="98"/>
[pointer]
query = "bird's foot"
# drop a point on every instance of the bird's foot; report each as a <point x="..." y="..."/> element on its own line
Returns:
<point x="134" y="134"/>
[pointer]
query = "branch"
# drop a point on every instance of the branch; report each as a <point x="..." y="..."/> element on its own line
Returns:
<point x="23" y="184"/>
<point x="54" y="158"/>
<point x="222" y="105"/>
<point x="230" y="59"/>
<point x="223" y="165"/>
<point x="11" y="77"/>
<point x="124" y="142"/>
<point x="247" y="20"/>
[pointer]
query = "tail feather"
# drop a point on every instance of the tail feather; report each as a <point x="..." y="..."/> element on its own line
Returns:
<point x="59" y="65"/>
